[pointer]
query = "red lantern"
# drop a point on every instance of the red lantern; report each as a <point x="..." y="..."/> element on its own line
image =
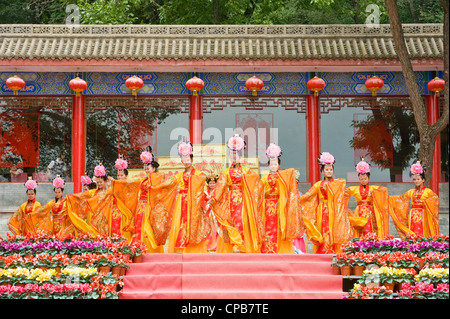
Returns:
<point x="436" y="85"/>
<point x="134" y="83"/>
<point x="254" y="84"/>
<point x="78" y="85"/>
<point x="316" y="84"/>
<point x="195" y="84"/>
<point x="374" y="84"/>
<point x="15" y="83"/>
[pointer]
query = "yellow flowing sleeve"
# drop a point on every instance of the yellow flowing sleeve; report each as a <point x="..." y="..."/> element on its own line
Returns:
<point x="380" y="199"/>
<point x="309" y="203"/>
<point x="40" y="219"/>
<point x="398" y="210"/>
<point x="77" y="211"/>
<point x="431" y="213"/>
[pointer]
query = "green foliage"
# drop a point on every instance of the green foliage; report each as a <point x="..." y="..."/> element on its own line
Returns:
<point x="264" y="12"/>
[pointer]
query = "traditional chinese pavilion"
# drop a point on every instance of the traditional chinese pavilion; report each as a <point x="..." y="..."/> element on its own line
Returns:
<point x="46" y="118"/>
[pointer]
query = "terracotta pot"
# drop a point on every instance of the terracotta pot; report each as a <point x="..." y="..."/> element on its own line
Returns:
<point x="115" y="270"/>
<point x="137" y="259"/>
<point x="336" y="270"/>
<point x="346" y="270"/>
<point x="104" y="269"/>
<point x="389" y="286"/>
<point x="358" y="270"/>
<point x="123" y="271"/>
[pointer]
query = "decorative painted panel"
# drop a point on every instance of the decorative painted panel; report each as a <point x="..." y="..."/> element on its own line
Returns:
<point x="283" y="83"/>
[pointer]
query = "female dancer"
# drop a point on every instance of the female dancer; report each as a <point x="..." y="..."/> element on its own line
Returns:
<point x="20" y="223"/>
<point x="279" y="206"/>
<point x="323" y="208"/>
<point x="190" y="226"/>
<point x="372" y="205"/>
<point x="211" y="181"/>
<point x="147" y="220"/>
<point x="423" y="218"/>
<point x="234" y="205"/>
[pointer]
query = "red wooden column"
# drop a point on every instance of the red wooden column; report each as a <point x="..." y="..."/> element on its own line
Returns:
<point x="433" y="116"/>
<point x="313" y="138"/>
<point x="78" y="142"/>
<point x="196" y="119"/>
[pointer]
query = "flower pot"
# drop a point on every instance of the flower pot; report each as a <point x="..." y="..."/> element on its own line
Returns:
<point x="104" y="269"/>
<point x="116" y="270"/>
<point x="336" y="270"/>
<point x="123" y="270"/>
<point x="346" y="270"/>
<point x="358" y="270"/>
<point x="137" y="259"/>
<point x="389" y="286"/>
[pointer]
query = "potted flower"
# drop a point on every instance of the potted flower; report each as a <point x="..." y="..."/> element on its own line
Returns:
<point x="359" y="263"/>
<point x="103" y="264"/>
<point x="344" y="262"/>
<point x="139" y="248"/>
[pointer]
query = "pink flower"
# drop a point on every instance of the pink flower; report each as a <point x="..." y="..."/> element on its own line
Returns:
<point x="121" y="164"/>
<point x="326" y="158"/>
<point x="236" y="143"/>
<point x="58" y="182"/>
<point x="363" y="167"/>
<point x="273" y="151"/>
<point x="146" y="157"/>
<point x="416" y="169"/>
<point x="85" y="180"/>
<point x="185" y="149"/>
<point x="30" y="184"/>
<point x="99" y="170"/>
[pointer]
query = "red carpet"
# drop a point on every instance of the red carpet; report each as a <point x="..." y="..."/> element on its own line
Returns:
<point x="232" y="276"/>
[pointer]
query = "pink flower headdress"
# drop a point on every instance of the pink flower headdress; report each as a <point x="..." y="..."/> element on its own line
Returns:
<point x="58" y="182"/>
<point x="121" y="164"/>
<point x="236" y="143"/>
<point x="146" y="157"/>
<point x="30" y="184"/>
<point x="363" y="167"/>
<point x="326" y="158"/>
<point x="85" y="180"/>
<point x="185" y="149"/>
<point x="99" y="170"/>
<point x="417" y="168"/>
<point x="273" y="151"/>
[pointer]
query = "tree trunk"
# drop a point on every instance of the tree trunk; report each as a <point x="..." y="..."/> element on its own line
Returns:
<point x="427" y="133"/>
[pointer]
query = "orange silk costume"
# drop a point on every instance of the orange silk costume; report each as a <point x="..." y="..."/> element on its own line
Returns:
<point x="80" y="214"/>
<point x="422" y="219"/>
<point x="213" y="235"/>
<point x="189" y="225"/>
<point x="148" y="220"/>
<point x="371" y="213"/>
<point x="236" y="211"/>
<point x="21" y="222"/>
<point x="325" y="217"/>
<point x="279" y="208"/>
<point x="57" y="219"/>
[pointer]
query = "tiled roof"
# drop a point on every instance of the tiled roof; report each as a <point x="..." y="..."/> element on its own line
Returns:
<point x="193" y="42"/>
